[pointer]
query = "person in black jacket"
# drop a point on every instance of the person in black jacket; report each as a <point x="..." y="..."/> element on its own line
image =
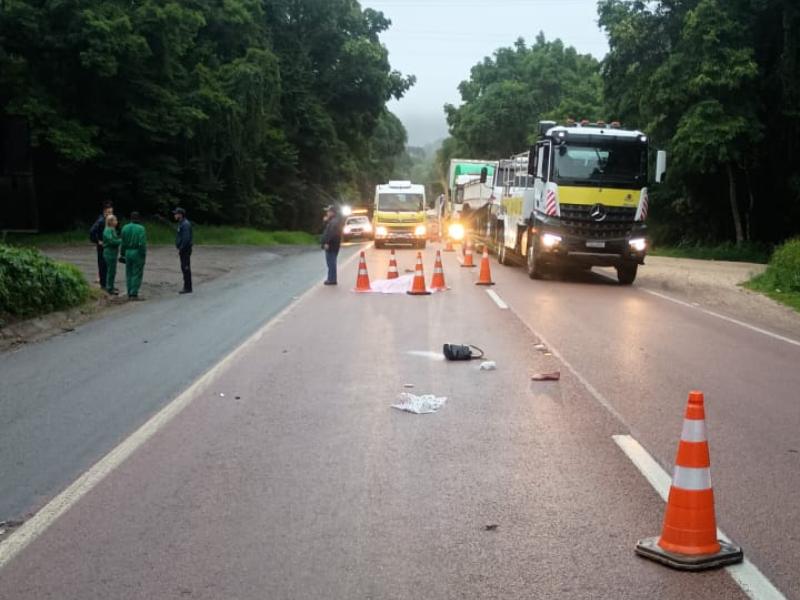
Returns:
<point x="96" y="237"/>
<point x="183" y="242"/>
<point x="331" y="241"/>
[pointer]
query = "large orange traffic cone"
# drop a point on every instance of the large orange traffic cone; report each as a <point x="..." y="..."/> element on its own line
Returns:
<point x="362" y="281"/>
<point x="688" y="538"/>
<point x="468" y="255"/>
<point x="485" y="276"/>
<point x="418" y="285"/>
<point x="449" y="246"/>
<point x="393" y="273"/>
<point x="437" y="281"/>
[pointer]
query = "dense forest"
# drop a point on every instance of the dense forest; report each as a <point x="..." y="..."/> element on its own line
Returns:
<point x="714" y="82"/>
<point x="244" y="111"/>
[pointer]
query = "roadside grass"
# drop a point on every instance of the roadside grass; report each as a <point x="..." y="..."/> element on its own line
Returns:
<point x="781" y="280"/>
<point x="748" y="252"/>
<point x="160" y="233"/>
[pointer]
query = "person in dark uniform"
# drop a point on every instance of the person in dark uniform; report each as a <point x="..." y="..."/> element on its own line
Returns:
<point x="331" y="242"/>
<point x="96" y="237"/>
<point x="183" y="242"/>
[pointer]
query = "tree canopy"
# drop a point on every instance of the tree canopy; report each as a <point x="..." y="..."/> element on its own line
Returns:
<point x="245" y="111"/>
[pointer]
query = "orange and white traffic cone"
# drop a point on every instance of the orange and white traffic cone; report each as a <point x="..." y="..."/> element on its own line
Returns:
<point x="393" y="272"/>
<point x="362" y="281"/>
<point x="437" y="281"/>
<point x="688" y="538"/>
<point x="485" y="276"/>
<point x="468" y="255"/>
<point x="418" y="285"/>
<point x="449" y="246"/>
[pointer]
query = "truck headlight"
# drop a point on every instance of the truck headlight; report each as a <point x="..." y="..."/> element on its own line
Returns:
<point x="420" y="230"/>
<point x="381" y="231"/>
<point x="550" y="241"/>
<point x="638" y="244"/>
<point x="368" y="227"/>
<point x="456" y="231"/>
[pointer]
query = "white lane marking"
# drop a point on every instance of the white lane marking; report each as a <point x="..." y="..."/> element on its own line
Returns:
<point x="497" y="300"/>
<point x="723" y="317"/>
<point x="752" y="581"/>
<point x="38" y="524"/>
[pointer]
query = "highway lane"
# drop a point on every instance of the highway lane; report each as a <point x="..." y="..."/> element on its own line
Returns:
<point x="67" y="401"/>
<point x="644" y="353"/>
<point x="301" y="482"/>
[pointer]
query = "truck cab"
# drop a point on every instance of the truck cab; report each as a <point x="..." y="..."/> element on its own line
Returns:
<point x="584" y="202"/>
<point x="400" y="214"/>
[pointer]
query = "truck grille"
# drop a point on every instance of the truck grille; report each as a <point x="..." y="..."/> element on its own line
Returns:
<point x="577" y="221"/>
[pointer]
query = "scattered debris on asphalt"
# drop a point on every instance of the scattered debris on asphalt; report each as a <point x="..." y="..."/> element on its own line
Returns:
<point x="238" y="397"/>
<point x="554" y="376"/>
<point x="408" y="385"/>
<point x="221" y="395"/>
<point x="419" y="405"/>
<point x="540" y="347"/>
<point x="492" y="527"/>
<point x="426" y="354"/>
<point x="488" y="365"/>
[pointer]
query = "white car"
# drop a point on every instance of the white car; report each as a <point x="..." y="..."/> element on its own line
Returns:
<point x="357" y="227"/>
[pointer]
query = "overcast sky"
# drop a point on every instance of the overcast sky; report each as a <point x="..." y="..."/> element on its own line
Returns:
<point x="440" y="40"/>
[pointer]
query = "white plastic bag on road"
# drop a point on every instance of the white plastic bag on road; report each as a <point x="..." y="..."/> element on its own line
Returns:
<point x="488" y="365"/>
<point x="419" y="405"/>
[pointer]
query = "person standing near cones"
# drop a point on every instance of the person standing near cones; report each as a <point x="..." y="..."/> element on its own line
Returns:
<point x="133" y="253"/>
<point x="331" y="242"/>
<point x="183" y="242"/>
<point x="111" y="243"/>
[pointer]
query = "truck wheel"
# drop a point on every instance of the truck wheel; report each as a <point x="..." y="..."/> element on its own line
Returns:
<point x="502" y="254"/>
<point x="626" y="273"/>
<point x="535" y="270"/>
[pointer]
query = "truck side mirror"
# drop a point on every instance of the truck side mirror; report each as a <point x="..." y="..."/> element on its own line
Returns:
<point x="661" y="166"/>
<point x="484" y="174"/>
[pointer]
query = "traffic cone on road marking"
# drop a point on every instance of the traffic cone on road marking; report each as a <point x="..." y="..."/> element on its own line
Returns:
<point x="418" y="285"/>
<point x="688" y="538"/>
<point x="437" y="281"/>
<point x="468" y="255"/>
<point x="449" y="246"/>
<point x="362" y="281"/>
<point x="485" y="276"/>
<point x="393" y="273"/>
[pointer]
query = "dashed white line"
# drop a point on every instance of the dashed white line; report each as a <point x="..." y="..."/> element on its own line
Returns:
<point x="497" y="300"/>
<point x="752" y="581"/>
<point x="711" y="313"/>
<point x="38" y="524"/>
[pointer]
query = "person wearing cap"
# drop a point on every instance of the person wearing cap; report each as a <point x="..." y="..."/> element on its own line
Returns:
<point x="331" y="241"/>
<point x="183" y="242"/>
<point x="133" y="253"/>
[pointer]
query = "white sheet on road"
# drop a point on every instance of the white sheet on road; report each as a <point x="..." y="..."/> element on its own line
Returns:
<point x="419" y="405"/>
<point x="399" y="285"/>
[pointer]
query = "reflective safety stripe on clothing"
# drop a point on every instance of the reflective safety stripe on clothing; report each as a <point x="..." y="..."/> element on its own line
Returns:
<point x="694" y="431"/>
<point x="688" y="478"/>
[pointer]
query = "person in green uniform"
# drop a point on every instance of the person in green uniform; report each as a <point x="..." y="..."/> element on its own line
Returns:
<point x="133" y="253"/>
<point x="111" y="243"/>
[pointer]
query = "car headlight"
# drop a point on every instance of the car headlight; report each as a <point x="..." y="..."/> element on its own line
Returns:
<point x="638" y="244"/>
<point x="348" y="229"/>
<point x="456" y="231"/>
<point x="420" y="230"/>
<point x="381" y="231"/>
<point x="550" y="241"/>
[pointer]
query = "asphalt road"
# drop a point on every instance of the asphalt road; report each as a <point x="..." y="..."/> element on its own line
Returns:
<point x="66" y="402"/>
<point x="301" y="482"/>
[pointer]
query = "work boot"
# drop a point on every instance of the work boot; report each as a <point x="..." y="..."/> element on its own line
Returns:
<point x="185" y="292"/>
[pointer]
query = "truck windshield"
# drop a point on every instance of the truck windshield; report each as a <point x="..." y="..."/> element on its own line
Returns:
<point x="400" y="202"/>
<point x="618" y="164"/>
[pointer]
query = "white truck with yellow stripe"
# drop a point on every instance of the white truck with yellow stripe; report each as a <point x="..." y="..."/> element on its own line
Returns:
<point x="399" y="216"/>
<point x="578" y="197"/>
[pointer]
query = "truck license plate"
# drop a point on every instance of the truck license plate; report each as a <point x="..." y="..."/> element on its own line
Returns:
<point x="592" y="244"/>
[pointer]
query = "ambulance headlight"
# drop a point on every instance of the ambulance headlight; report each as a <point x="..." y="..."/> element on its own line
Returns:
<point x="638" y="244"/>
<point x="550" y="241"/>
<point x="456" y="231"/>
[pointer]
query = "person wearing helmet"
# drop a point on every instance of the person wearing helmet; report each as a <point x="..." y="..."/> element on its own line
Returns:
<point x="331" y="241"/>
